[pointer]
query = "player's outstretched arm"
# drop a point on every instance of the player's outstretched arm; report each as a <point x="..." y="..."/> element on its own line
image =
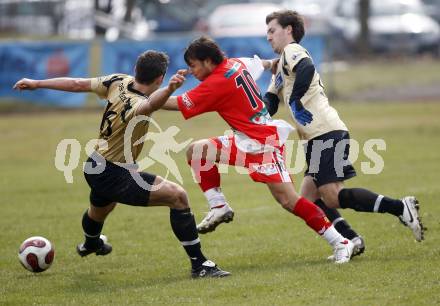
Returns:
<point x="270" y="64"/>
<point x="161" y="96"/>
<point x="171" y="104"/>
<point x="255" y="65"/>
<point x="63" y="84"/>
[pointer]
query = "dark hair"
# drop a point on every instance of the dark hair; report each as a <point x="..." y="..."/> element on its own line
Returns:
<point x="150" y="65"/>
<point x="286" y="18"/>
<point x="204" y="48"/>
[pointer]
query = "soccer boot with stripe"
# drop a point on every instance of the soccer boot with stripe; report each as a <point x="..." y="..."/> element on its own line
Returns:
<point x="411" y="218"/>
<point x="343" y="251"/>
<point x="359" y="247"/>
<point x="103" y="249"/>
<point x="208" y="269"/>
<point x="215" y="216"/>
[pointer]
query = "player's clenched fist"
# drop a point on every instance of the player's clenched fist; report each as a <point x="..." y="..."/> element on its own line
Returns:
<point x="26" y="84"/>
<point x="177" y="79"/>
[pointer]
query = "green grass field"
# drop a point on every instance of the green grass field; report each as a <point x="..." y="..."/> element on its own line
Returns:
<point x="387" y="76"/>
<point x="275" y="259"/>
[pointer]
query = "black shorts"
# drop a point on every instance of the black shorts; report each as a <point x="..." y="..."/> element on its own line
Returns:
<point x="116" y="184"/>
<point x="332" y="164"/>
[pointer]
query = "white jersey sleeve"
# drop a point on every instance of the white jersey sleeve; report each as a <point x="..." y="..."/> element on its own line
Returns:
<point x="254" y="65"/>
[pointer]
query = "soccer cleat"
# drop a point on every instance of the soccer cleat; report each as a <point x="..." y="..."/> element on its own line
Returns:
<point x="411" y="218"/>
<point x="343" y="251"/>
<point x="214" y="217"/>
<point x="359" y="247"/>
<point x="103" y="250"/>
<point x="208" y="269"/>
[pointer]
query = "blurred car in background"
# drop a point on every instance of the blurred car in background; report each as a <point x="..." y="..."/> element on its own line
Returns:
<point x="71" y="19"/>
<point x="316" y="13"/>
<point x="433" y="9"/>
<point x="78" y="20"/>
<point x="243" y="19"/>
<point x="111" y="20"/>
<point x="397" y="26"/>
<point x="171" y="15"/>
<point x="40" y="18"/>
<point x="317" y="21"/>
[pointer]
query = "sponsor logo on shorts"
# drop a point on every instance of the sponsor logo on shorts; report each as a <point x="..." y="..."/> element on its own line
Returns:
<point x="266" y="169"/>
<point x="187" y="101"/>
<point x="224" y="140"/>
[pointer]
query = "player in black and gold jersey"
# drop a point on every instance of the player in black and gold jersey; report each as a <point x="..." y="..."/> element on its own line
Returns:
<point x="297" y="84"/>
<point x="111" y="170"/>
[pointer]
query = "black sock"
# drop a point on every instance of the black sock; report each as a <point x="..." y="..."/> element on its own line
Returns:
<point x="92" y="231"/>
<point x="184" y="227"/>
<point x="339" y="223"/>
<point x="364" y="200"/>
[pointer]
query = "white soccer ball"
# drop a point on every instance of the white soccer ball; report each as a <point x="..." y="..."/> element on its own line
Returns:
<point x="36" y="254"/>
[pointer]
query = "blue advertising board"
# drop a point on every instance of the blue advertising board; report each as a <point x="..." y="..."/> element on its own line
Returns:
<point x="42" y="60"/>
<point x="120" y="56"/>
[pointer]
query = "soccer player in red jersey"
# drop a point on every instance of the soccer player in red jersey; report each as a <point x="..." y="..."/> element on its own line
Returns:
<point x="228" y="88"/>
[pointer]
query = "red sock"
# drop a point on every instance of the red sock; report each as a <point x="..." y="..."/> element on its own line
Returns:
<point x="206" y="179"/>
<point x="312" y="215"/>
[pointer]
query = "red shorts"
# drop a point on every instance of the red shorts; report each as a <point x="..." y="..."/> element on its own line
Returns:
<point x="267" y="167"/>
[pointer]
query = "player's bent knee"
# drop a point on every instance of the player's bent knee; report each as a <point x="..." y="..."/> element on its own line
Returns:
<point x="181" y="198"/>
<point x="329" y="193"/>
<point x="169" y="194"/>
<point x="177" y="197"/>
<point x="331" y="201"/>
<point x="100" y="213"/>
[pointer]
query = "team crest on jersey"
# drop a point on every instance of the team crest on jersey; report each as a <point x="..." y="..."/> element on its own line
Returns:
<point x="278" y="81"/>
<point x="187" y="101"/>
<point x="233" y="70"/>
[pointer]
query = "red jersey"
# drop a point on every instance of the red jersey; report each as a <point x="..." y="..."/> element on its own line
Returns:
<point x="231" y="91"/>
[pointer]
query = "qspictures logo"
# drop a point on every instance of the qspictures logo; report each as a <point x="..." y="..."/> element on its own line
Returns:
<point x="163" y="145"/>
